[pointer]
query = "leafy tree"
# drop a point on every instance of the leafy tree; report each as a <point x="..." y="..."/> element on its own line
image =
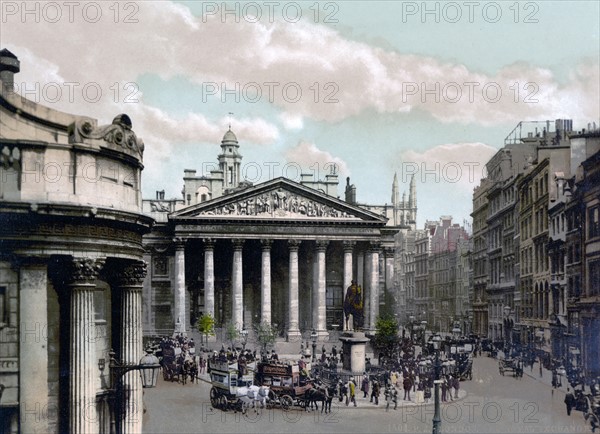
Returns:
<point x="386" y="339"/>
<point x="206" y="325"/>
<point x="232" y="334"/>
<point x="265" y="335"/>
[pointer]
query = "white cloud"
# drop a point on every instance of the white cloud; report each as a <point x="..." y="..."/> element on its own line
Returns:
<point x="338" y="78"/>
<point x="312" y="159"/>
<point x="291" y="122"/>
<point x="457" y="164"/>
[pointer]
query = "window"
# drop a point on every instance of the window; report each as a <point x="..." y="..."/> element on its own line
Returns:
<point x="3" y="307"/>
<point x="594" y="222"/>
<point x="594" y="282"/>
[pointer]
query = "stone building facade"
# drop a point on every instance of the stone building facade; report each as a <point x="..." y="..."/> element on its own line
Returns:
<point x="281" y="252"/>
<point x="71" y="267"/>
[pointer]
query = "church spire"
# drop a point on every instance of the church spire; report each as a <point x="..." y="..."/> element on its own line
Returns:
<point x="412" y="201"/>
<point x="395" y="199"/>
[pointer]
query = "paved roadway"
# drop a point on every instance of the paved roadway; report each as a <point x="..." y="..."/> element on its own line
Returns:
<point x="493" y="404"/>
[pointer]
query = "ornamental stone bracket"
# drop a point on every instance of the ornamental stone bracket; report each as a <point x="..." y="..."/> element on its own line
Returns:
<point x="117" y="136"/>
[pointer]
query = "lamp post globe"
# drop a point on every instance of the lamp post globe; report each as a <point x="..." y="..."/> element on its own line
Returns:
<point x="149" y="366"/>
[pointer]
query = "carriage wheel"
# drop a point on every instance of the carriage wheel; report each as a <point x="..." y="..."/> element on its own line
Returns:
<point x="223" y="402"/>
<point x="286" y="402"/>
<point x="214" y="397"/>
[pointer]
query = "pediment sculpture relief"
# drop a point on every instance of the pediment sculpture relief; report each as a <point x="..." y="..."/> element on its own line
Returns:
<point x="278" y="203"/>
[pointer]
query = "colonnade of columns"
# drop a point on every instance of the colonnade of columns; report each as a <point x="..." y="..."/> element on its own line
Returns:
<point x="369" y="279"/>
<point x="77" y="280"/>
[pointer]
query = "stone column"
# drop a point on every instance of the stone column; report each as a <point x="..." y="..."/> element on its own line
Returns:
<point x="360" y="269"/>
<point x="348" y="247"/>
<point x="373" y="265"/>
<point x="129" y="283"/>
<point x="321" y="299"/>
<point x="82" y="277"/>
<point x="365" y="273"/>
<point x="33" y="348"/>
<point x="209" y="277"/>
<point x="265" y="289"/>
<point x="237" y="285"/>
<point x="389" y="268"/>
<point x="180" y="316"/>
<point x="293" y="311"/>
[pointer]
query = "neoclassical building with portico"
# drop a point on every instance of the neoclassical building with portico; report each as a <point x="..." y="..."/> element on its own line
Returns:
<point x="280" y="251"/>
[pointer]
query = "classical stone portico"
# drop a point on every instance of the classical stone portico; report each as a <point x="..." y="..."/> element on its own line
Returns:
<point x="278" y="252"/>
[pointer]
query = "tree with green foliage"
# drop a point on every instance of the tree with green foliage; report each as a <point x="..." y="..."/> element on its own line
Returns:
<point x="206" y="325"/>
<point x="386" y="339"/>
<point x="265" y="336"/>
<point x="232" y="334"/>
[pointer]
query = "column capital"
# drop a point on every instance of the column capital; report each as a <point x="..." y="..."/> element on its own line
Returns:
<point x="179" y="243"/>
<point x="209" y="243"/>
<point x="349" y="246"/>
<point x="374" y="246"/>
<point x="294" y="244"/>
<point x="266" y="244"/>
<point x="131" y="274"/>
<point x="388" y="252"/>
<point x="82" y="271"/>
<point x="238" y="244"/>
<point x="322" y="245"/>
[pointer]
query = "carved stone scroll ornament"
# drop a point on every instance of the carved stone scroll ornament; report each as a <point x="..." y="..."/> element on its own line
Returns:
<point x="118" y="133"/>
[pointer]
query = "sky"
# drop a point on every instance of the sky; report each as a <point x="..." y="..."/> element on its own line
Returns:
<point x="429" y="89"/>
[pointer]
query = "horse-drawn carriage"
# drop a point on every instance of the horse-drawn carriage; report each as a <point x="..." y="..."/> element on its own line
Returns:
<point x="232" y="388"/>
<point x="288" y="382"/>
<point x="464" y="367"/>
<point x="177" y="366"/>
<point x="515" y="366"/>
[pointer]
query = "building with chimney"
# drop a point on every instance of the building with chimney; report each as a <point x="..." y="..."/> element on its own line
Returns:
<point x="281" y="252"/>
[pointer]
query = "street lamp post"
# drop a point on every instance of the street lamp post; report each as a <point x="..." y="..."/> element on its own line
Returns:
<point x="148" y="367"/>
<point x="244" y="335"/>
<point x="437" y="420"/>
<point x="313" y="338"/>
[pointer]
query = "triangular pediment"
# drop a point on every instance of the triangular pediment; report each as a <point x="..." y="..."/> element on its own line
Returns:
<point x="279" y="199"/>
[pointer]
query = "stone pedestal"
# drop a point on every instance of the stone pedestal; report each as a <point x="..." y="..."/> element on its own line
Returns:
<point x="354" y="347"/>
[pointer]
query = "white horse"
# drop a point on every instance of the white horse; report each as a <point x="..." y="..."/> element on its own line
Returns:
<point x="251" y="395"/>
<point x="262" y="395"/>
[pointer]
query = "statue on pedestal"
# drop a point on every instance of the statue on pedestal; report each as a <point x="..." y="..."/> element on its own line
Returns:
<point x="353" y="307"/>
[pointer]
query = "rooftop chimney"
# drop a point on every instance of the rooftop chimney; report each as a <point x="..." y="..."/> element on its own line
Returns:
<point x="9" y="66"/>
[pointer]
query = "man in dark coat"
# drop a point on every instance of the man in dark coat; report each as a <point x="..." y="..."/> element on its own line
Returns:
<point x="407" y="386"/>
<point x="569" y="401"/>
